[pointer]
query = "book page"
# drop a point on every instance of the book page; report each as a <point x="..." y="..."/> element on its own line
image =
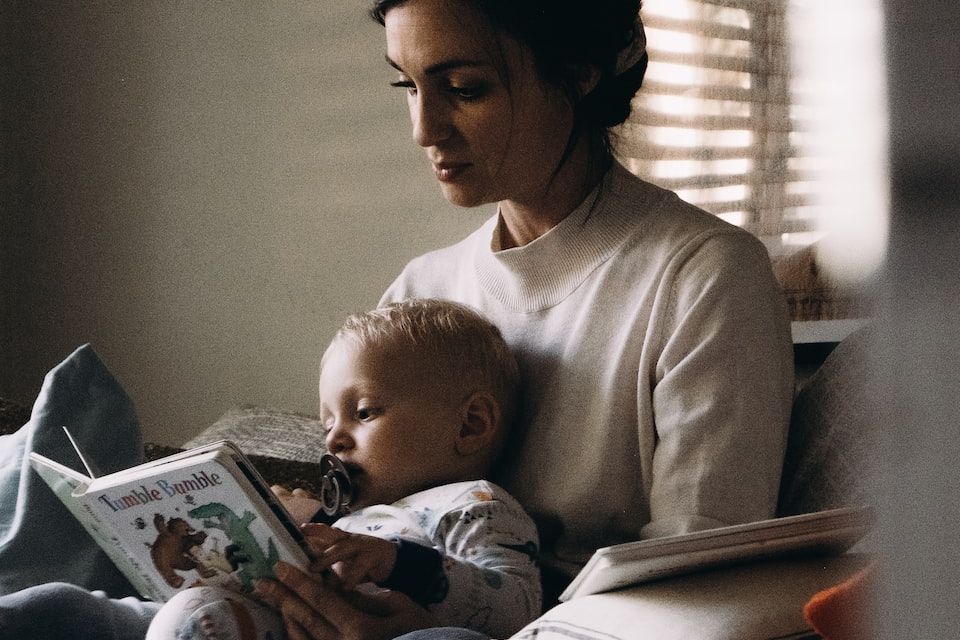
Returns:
<point x="632" y="563"/>
<point x="67" y="485"/>
<point x="191" y="521"/>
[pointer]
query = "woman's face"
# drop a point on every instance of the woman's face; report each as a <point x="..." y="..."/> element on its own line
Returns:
<point x="491" y="128"/>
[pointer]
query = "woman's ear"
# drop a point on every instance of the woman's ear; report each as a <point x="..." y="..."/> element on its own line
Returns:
<point x="587" y="76"/>
<point x="479" y="424"/>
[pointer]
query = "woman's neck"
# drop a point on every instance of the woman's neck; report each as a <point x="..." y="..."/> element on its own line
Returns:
<point x="522" y="222"/>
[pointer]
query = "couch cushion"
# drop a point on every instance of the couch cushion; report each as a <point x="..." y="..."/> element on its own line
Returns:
<point x="756" y="601"/>
<point x="267" y="432"/>
<point x="828" y="459"/>
<point x="284" y="446"/>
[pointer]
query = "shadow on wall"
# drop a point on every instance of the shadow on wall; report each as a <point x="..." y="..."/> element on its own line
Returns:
<point x="202" y="193"/>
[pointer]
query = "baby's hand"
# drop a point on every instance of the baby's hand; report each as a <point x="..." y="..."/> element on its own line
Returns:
<point x="353" y="558"/>
<point x="301" y="505"/>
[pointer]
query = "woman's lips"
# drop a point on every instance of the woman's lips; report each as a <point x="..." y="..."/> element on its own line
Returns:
<point x="449" y="171"/>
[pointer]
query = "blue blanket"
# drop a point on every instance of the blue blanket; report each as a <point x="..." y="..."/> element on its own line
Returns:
<point x="40" y="541"/>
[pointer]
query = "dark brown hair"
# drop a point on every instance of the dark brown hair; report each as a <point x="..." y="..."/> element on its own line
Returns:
<point x="564" y="35"/>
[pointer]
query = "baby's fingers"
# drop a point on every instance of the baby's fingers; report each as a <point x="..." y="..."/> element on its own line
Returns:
<point x="323" y="532"/>
<point x="320" y="537"/>
<point x="344" y="550"/>
<point x="350" y="574"/>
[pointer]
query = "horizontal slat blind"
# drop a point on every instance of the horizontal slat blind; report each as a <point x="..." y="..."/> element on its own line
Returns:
<point x="720" y="119"/>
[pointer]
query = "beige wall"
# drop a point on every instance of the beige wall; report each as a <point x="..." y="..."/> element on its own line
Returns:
<point x="202" y="190"/>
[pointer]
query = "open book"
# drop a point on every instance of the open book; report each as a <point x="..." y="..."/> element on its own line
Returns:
<point x="631" y="563"/>
<point x="204" y="516"/>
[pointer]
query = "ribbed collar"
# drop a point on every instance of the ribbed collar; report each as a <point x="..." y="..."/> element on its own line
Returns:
<point x="541" y="274"/>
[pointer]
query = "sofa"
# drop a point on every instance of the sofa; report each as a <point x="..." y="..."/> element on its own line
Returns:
<point x="826" y="466"/>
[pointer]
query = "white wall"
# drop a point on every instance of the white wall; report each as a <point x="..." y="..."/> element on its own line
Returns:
<point x="202" y="191"/>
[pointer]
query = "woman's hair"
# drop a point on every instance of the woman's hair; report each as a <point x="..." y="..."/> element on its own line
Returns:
<point x="459" y="345"/>
<point x="564" y="35"/>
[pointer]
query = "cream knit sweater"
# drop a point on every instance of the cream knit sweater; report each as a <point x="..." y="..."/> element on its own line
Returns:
<point x="658" y="368"/>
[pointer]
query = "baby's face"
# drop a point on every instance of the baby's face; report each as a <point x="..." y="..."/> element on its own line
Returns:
<point x="388" y="421"/>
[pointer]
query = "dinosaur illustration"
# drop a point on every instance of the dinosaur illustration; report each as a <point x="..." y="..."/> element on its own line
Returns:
<point x="252" y="562"/>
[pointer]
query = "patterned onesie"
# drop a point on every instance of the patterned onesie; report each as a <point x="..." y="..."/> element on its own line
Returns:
<point x="467" y="551"/>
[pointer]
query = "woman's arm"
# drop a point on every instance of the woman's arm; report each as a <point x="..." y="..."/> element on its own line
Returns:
<point x="724" y="385"/>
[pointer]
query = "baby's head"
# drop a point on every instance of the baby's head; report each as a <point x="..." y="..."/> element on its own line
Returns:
<point x="414" y="395"/>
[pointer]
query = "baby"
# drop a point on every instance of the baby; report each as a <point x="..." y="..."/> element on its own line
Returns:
<point x="416" y="399"/>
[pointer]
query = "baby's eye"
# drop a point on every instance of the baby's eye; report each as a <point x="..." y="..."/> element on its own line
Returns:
<point x="367" y="413"/>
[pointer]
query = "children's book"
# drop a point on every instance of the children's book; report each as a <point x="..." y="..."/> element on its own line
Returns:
<point x="631" y="563"/>
<point x="201" y="517"/>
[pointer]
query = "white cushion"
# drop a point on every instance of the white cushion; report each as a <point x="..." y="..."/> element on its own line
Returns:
<point x="755" y="601"/>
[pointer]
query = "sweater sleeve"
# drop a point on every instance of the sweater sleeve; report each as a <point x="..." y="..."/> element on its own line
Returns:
<point x="724" y="385"/>
<point x="490" y="561"/>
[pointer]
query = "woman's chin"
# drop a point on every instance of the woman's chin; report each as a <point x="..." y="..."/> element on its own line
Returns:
<point x="462" y="197"/>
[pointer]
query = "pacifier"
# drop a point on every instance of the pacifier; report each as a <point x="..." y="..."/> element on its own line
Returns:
<point x="335" y="489"/>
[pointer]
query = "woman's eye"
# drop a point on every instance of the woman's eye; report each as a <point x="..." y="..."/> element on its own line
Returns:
<point x="468" y="92"/>
<point x="405" y="84"/>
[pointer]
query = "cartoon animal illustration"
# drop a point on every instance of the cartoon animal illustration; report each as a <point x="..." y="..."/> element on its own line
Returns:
<point x="213" y="558"/>
<point x="244" y="550"/>
<point x="170" y="551"/>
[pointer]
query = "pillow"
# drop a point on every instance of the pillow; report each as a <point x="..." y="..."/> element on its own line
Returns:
<point x="829" y="461"/>
<point x="267" y="432"/>
<point x="40" y="541"/>
<point x="284" y="446"/>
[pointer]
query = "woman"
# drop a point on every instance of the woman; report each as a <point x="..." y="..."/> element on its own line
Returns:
<point x="653" y="336"/>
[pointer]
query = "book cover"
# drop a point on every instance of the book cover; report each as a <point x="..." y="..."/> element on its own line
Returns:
<point x="202" y="517"/>
<point x="633" y="563"/>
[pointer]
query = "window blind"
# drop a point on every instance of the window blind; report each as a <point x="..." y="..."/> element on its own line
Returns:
<point x="721" y="119"/>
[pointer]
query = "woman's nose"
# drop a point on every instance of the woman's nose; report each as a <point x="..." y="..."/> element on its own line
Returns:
<point x="431" y="121"/>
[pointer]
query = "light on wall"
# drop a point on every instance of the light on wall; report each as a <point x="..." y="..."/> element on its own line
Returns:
<point x="838" y="55"/>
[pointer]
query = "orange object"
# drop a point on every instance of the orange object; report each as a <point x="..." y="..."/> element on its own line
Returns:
<point x="845" y="611"/>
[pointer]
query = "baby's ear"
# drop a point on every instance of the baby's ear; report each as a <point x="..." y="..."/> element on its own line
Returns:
<point x="479" y="423"/>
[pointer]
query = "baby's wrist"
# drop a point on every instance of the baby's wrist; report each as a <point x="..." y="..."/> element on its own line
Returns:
<point x="387" y="559"/>
<point x="416" y="569"/>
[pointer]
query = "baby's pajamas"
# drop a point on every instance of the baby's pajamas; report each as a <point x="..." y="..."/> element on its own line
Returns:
<point x="466" y="551"/>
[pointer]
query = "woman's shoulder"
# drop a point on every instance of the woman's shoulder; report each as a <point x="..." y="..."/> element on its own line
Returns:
<point x="663" y="212"/>
<point x="665" y="223"/>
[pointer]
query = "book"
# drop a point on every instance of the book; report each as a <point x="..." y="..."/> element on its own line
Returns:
<point x="201" y="517"/>
<point x="631" y="563"/>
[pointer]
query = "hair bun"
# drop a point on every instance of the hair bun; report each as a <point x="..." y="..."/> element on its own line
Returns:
<point x="609" y="104"/>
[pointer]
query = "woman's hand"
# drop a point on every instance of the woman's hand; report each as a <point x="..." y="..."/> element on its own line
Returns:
<point x="315" y="610"/>
<point x="353" y="558"/>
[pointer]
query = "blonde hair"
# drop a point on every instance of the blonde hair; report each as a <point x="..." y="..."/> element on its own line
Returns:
<point x="460" y="344"/>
